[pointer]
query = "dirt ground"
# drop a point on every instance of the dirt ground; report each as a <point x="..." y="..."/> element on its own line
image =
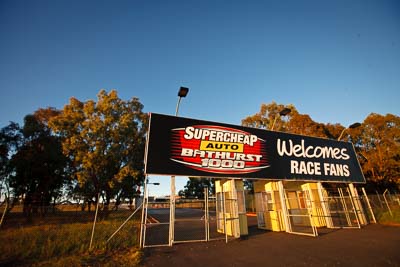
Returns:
<point x="372" y="245"/>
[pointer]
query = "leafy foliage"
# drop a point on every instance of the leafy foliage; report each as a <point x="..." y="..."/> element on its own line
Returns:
<point x="377" y="140"/>
<point x="37" y="169"/>
<point x="97" y="147"/>
<point x="268" y="117"/>
<point x="195" y="187"/>
<point x="378" y="143"/>
<point x="10" y="137"/>
<point x="105" y="141"/>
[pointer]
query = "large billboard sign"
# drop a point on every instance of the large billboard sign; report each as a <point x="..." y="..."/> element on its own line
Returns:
<point x="187" y="147"/>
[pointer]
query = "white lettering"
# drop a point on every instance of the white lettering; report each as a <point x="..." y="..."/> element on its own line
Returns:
<point x="303" y="167"/>
<point x="294" y="166"/>
<point x="187" y="152"/>
<point x="345" y="156"/>
<point x="346" y="170"/>
<point x="303" y="151"/>
<point x="188" y="133"/>
<point x="331" y="169"/>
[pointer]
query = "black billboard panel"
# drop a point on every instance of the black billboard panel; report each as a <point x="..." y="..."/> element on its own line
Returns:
<point x="187" y="147"/>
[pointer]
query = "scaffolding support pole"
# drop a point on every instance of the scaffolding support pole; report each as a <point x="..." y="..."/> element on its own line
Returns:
<point x="369" y="205"/>
<point x="144" y="215"/>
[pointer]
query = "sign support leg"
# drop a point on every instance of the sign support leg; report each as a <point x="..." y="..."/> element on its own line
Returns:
<point x="172" y="212"/>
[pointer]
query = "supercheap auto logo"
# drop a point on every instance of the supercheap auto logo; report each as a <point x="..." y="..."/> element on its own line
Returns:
<point x="217" y="149"/>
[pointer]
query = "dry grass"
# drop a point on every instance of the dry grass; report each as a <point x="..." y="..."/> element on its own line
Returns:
<point x="385" y="217"/>
<point x="62" y="239"/>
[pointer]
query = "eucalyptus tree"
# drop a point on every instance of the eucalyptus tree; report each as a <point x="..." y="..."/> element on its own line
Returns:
<point x="105" y="141"/>
<point x="269" y="117"/>
<point x="10" y="139"/>
<point x="37" y="165"/>
<point x="378" y="144"/>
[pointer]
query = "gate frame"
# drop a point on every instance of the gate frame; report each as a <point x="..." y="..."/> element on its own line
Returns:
<point x="285" y="210"/>
<point x="172" y="218"/>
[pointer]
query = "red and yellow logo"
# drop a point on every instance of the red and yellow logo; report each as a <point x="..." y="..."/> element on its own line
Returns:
<point x="218" y="149"/>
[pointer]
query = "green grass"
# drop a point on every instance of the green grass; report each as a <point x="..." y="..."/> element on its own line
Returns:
<point x="67" y="244"/>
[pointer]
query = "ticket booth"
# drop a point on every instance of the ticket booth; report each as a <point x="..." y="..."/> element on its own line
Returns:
<point x="314" y="203"/>
<point x="231" y="208"/>
<point x="268" y="205"/>
<point x="294" y="207"/>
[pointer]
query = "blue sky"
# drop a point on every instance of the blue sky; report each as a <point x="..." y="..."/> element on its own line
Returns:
<point x="337" y="61"/>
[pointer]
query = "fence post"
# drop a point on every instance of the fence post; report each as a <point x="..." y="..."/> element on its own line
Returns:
<point x="4" y="212"/>
<point x="379" y="198"/>
<point x="94" y="222"/>
<point x="387" y="204"/>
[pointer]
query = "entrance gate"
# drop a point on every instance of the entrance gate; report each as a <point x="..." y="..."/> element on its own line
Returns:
<point x="231" y="208"/>
<point x="155" y="222"/>
<point x="269" y="206"/>
<point x="343" y="207"/>
<point x="298" y="213"/>
<point x="195" y="220"/>
<point x="294" y="207"/>
<point x="285" y="209"/>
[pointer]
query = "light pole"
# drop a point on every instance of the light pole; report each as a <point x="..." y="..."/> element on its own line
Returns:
<point x="183" y="91"/>
<point x="354" y="125"/>
<point x="352" y="190"/>
<point x="283" y="112"/>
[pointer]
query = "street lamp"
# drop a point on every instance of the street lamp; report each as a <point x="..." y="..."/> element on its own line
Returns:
<point x="283" y="112"/>
<point x="353" y="190"/>
<point x="183" y="91"/>
<point x="354" y="125"/>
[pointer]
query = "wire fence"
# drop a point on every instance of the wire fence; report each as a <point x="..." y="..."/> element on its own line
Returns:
<point x="372" y="205"/>
<point x="383" y="203"/>
<point x="191" y="216"/>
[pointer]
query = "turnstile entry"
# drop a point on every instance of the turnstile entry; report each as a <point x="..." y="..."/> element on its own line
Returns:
<point x="301" y="207"/>
<point x="230" y="208"/>
<point x="298" y="210"/>
<point x="268" y="206"/>
<point x="286" y="207"/>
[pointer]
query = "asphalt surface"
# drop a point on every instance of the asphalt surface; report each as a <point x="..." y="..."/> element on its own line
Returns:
<point x="372" y="245"/>
<point x="189" y="225"/>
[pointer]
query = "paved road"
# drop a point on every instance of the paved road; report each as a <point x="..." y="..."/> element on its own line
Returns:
<point x="373" y="245"/>
<point x="189" y="225"/>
